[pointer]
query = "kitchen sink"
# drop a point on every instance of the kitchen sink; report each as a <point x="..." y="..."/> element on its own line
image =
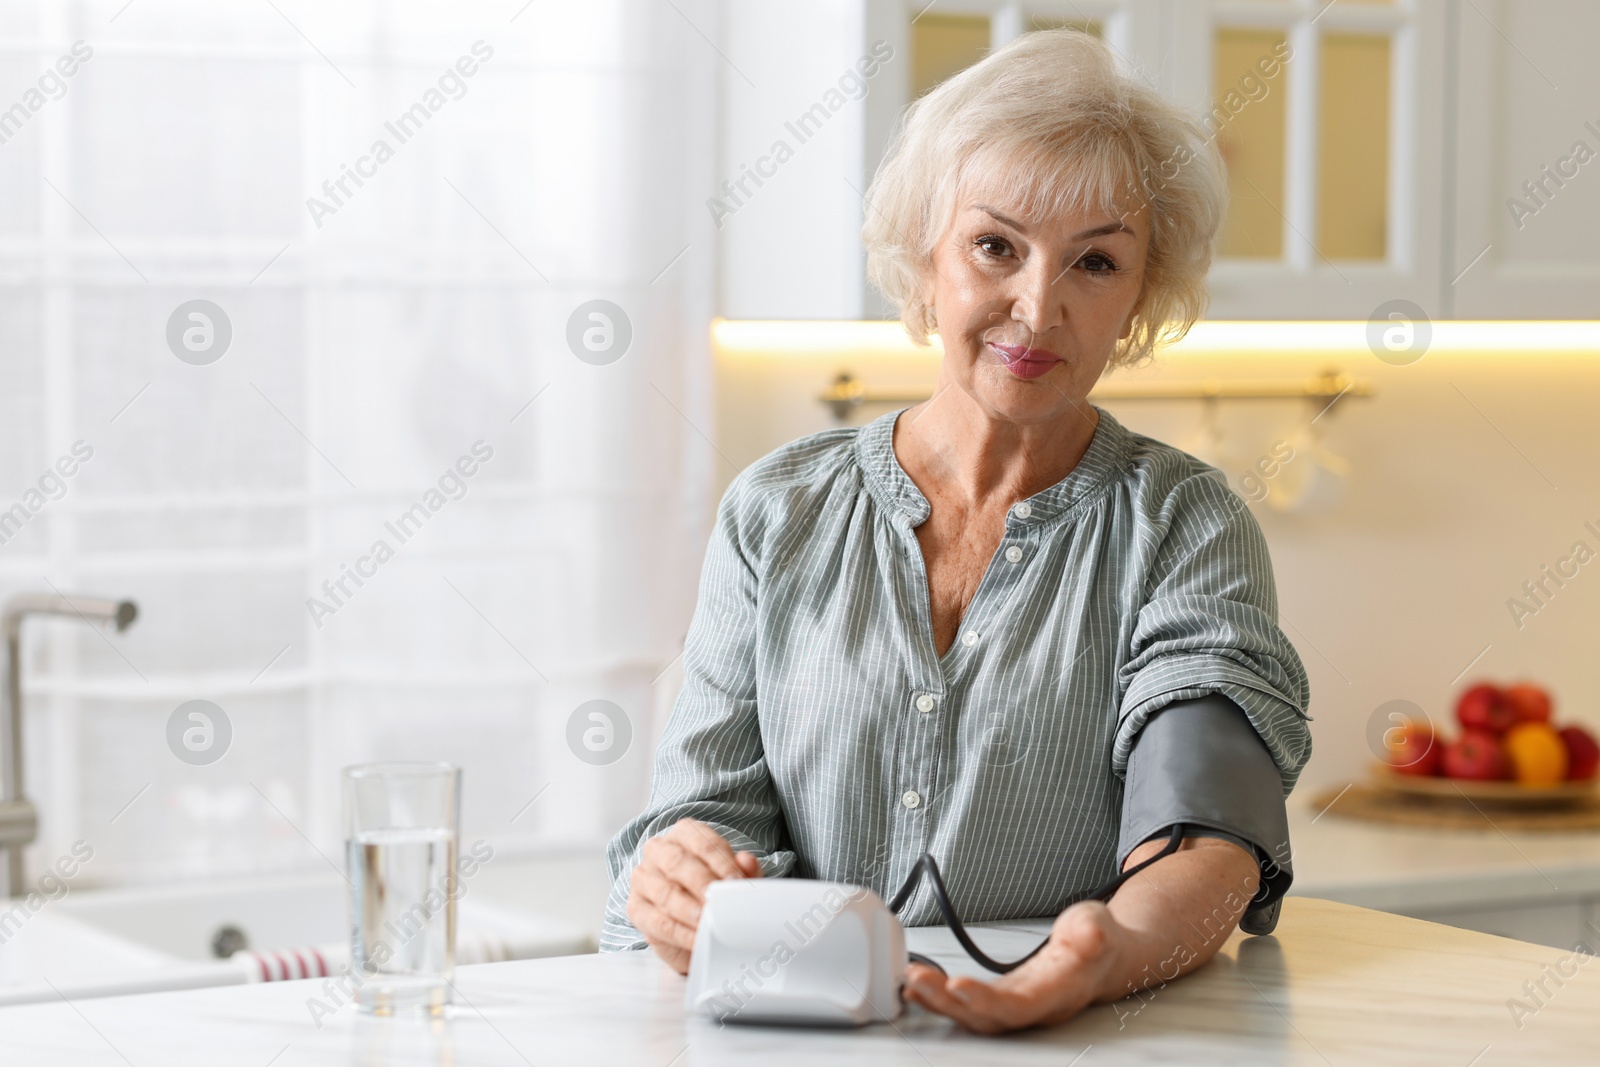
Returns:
<point x="113" y="941"/>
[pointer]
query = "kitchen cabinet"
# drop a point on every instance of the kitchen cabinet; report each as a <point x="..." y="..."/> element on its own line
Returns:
<point x="1382" y="160"/>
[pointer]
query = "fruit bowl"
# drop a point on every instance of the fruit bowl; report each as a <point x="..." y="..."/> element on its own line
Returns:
<point x="1493" y="792"/>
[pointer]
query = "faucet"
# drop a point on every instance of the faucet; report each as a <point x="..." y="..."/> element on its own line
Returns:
<point x="19" y="819"/>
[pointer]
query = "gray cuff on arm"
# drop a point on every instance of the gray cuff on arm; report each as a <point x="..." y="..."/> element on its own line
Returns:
<point x="1201" y="762"/>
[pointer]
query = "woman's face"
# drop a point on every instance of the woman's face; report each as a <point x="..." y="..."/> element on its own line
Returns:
<point x="1031" y="309"/>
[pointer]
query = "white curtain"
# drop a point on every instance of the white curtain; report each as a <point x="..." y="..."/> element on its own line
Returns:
<point x="378" y="338"/>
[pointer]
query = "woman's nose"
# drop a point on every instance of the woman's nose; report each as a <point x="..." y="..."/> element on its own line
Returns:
<point x="1040" y="301"/>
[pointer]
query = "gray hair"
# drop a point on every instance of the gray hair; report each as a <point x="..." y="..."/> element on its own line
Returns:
<point x="1052" y="116"/>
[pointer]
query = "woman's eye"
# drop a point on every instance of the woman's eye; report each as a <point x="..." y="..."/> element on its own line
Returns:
<point x="1098" y="263"/>
<point x="994" y="246"/>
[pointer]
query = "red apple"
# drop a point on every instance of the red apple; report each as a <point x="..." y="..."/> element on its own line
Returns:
<point x="1530" y="702"/>
<point x="1477" y="756"/>
<point x="1414" y="750"/>
<point x="1483" y="707"/>
<point x="1583" y="753"/>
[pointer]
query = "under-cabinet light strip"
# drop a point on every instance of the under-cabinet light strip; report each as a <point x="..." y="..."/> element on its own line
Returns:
<point x="1220" y="337"/>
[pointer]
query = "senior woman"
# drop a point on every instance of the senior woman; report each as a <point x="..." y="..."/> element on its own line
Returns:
<point x="997" y="626"/>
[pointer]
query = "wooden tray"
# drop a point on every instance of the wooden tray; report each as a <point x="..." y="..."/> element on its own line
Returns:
<point x="1376" y="804"/>
<point x="1498" y="793"/>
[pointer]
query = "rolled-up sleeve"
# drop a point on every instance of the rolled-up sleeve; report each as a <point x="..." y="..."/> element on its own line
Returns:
<point x="1208" y="624"/>
<point x="710" y="764"/>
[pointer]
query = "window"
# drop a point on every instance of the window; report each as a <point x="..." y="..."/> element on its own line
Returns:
<point x="373" y="346"/>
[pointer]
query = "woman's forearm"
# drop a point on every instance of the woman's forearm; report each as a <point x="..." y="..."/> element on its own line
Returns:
<point x="1164" y="922"/>
<point x="1176" y="913"/>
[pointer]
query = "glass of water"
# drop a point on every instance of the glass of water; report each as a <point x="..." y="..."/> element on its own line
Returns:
<point x="402" y="833"/>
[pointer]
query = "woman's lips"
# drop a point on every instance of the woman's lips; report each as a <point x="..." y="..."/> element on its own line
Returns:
<point x="1023" y="361"/>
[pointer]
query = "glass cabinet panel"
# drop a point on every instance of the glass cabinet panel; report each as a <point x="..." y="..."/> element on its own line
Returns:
<point x="942" y="45"/>
<point x="1247" y="120"/>
<point x="1353" y="147"/>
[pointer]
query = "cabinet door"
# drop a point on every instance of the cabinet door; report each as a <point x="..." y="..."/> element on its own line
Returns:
<point x="1334" y="160"/>
<point x="1527" y="204"/>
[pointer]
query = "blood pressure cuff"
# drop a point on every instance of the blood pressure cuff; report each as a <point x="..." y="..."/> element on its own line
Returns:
<point x="1201" y="762"/>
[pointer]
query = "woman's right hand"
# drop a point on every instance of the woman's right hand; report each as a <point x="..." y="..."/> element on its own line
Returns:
<point x="668" y="888"/>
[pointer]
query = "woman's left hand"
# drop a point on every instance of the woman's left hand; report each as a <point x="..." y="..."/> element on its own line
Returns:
<point x="1068" y="975"/>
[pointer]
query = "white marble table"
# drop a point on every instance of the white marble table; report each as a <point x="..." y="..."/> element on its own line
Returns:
<point x="1336" y="985"/>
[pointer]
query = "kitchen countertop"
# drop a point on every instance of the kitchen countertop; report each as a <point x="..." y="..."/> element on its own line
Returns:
<point x="1407" y="870"/>
<point x="1335" y="984"/>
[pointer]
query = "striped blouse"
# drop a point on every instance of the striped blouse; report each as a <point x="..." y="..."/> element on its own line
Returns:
<point x="818" y="727"/>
